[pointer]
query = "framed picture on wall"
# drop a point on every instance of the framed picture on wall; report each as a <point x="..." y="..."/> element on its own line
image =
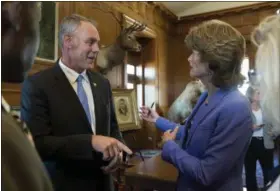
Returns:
<point x="48" y="31"/>
<point x="126" y="109"/>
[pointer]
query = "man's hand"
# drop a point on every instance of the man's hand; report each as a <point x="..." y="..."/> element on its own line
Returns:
<point x="108" y="146"/>
<point x="114" y="164"/>
<point x="168" y="135"/>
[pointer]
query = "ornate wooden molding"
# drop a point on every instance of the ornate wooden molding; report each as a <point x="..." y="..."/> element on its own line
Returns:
<point x="254" y="7"/>
<point x="40" y="64"/>
<point x="10" y="90"/>
<point x="166" y="11"/>
<point x="43" y="61"/>
<point x="145" y="12"/>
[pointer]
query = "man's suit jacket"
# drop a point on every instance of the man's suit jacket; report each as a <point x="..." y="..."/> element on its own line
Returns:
<point x="62" y="133"/>
<point x="216" y="145"/>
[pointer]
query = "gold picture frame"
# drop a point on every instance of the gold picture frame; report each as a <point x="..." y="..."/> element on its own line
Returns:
<point x="126" y="109"/>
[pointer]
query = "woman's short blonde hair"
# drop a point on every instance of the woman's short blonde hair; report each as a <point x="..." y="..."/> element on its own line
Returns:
<point x="266" y="36"/>
<point x="222" y="47"/>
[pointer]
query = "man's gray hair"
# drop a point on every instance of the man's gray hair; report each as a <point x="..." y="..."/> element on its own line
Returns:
<point x="69" y="24"/>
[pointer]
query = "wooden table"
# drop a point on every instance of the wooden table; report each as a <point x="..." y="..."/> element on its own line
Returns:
<point x="151" y="174"/>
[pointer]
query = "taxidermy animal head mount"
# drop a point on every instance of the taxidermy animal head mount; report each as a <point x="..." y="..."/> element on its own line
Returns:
<point x="114" y="54"/>
<point x="184" y="104"/>
<point x="127" y="39"/>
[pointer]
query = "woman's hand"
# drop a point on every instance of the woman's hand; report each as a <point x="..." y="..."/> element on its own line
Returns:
<point x="270" y="131"/>
<point x="257" y="127"/>
<point x="148" y="114"/>
<point x="169" y="135"/>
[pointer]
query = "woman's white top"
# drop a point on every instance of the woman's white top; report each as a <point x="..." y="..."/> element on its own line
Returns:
<point x="259" y="120"/>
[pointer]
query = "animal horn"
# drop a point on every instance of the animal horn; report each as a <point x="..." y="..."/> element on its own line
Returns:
<point x="131" y="27"/>
<point x="136" y="27"/>
<point x="141" y="27"/>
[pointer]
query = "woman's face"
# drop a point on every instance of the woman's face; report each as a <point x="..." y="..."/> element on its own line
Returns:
<point x="198" y="69"/>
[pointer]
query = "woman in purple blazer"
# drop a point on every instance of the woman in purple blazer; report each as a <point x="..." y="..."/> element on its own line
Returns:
<point x="215" y="137"/>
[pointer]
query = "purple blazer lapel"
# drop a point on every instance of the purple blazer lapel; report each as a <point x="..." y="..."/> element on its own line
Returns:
<point x="199" y="102"/>
<point x="213" y="102"/>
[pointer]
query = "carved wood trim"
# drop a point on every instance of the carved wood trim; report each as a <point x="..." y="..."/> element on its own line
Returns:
<point x="40" y="64"/>
<point x="46" y="62"/>
<point x="166" y="11"/>
<point x="10" y="90"/>
<point x="144" y="12"/>
<point x="223" y="12"/>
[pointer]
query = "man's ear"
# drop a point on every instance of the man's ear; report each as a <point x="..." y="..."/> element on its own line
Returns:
<point x="12" y="14"/>
<point x="68" y="41"/>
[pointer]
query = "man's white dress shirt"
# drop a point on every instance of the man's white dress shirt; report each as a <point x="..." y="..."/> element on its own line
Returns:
<point x="72" y="78"/>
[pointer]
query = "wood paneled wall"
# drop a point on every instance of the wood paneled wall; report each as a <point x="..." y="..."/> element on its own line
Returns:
<point x="243" y="18"/>
<point x="158" y="21"/>
<point x="172" y="67"/>
<point x="148" y="13"/>
<point x="153" y="16"/>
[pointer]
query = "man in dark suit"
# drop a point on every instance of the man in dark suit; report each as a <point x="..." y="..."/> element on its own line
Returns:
<point x="71" y="115"/>
<point x="22" y="168"/>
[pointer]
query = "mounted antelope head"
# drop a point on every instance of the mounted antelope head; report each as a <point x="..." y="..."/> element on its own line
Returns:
<point x="114" y="54"/>
<point x="127" y="38"/>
